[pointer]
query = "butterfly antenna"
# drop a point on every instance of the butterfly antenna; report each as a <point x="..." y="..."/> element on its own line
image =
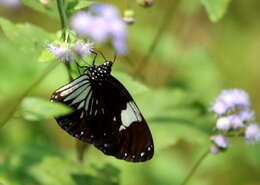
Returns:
<point x="103" y="56"/>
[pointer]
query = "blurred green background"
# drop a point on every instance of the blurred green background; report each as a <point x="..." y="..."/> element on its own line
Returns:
<point x="206" y="46"/>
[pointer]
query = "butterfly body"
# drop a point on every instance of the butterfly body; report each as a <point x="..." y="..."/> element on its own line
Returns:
<point x="105" y="115"/>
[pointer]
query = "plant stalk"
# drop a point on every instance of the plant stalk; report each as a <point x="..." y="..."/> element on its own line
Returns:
<point x="63" y="19"/>
<point x="64" y="28"/>
<point x="195" y="167"/>
<point x="170" y="12"/>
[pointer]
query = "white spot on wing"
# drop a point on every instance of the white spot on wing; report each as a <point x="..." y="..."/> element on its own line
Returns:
<point x="142" y="154"/>
<point x="130" y="114"/>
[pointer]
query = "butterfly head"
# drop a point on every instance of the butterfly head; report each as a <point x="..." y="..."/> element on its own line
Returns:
<point x="101" y="71"/>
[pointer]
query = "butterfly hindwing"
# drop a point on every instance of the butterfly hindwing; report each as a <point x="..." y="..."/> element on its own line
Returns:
<point x="105" y="115"/>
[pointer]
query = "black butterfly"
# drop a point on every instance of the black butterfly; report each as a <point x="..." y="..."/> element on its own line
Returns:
<point x="105" y="115"/>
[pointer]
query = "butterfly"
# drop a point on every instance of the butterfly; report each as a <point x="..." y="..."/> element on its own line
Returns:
<point x="105" y="115"/>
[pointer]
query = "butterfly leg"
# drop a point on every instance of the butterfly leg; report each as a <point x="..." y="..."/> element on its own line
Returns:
<point x="80" y="67"/>
<point x="94" y="60"/>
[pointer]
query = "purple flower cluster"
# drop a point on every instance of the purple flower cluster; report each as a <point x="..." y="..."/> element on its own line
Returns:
<point x="233" y="111"/>
<point x="70" y="52"/>
<point x="10" y="3"/>
<point x="100" y="23"/>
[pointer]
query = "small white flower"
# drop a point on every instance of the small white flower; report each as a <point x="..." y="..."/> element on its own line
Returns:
<point x="83" y="49"/>
<point x="223" y="124"/>
<point x="220" y="141"/>
<point x="252" y="133"/>
<point x="219" y="108"/>
<point x="63" y="54"/>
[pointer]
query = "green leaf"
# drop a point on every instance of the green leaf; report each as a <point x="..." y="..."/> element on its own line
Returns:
<point x="27" y="37"/>
<point x="37" y="109"/>
<point x="75" y="6"/>
<point x="82" y="5"/>
<point x="49" y="9"/>
<point x="216" y="8"/>
<point x="55" y="170"/>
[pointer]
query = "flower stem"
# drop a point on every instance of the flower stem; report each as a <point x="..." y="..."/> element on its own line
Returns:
<point x="64" y="28"/>
<point x="195" y="167"/>
<point x="63" y="19"/>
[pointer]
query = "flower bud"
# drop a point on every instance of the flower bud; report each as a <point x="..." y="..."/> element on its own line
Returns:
<point x="129" y="17"/>
<point x="214" y="149"/>
<point x="223" y="124"/>
<point x="145" y="3"/>
<point x="44" y="2"/>
<point x="220" y="141"/>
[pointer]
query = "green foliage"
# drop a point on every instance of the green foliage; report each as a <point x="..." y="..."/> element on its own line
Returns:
<point x="28" y="38"/>
<point x="216" y="8"/>
<point x="49" y="9"/>
<point x="192" y="62"/>
<point x="74" y="6"/>
<point x="42" y="109"/>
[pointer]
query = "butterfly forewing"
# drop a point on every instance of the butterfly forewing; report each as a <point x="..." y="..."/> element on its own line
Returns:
<point x="105" y="115"/>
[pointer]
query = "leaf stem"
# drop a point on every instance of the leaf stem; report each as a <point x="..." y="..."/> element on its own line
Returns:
<point x="195" y="167"/>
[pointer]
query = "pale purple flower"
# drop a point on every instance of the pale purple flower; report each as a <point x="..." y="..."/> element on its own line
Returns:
<point x="252" y="133"/>
<point x="10" y="3"/>
<point x="236" y="122"/>
<point x="246" y="115"/>
<point x="223" y="124"/>
<point x="220" y="141"/>
<point x="82" y="23"/>
<point x="83" y="49"/>
<point x="214" y="149"/>
<point x="99" y="30"/>
<point x="63" y="54"/>
<point x="100" y="23"/>
<point x="231" y="100"/>
<point x="105" y="10"/>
